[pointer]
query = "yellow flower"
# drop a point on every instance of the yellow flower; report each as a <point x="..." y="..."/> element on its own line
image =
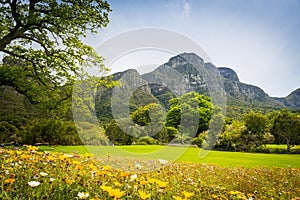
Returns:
<point x="93" y="167"/>
<point x="177" y="198"/>
<point x="70" y="181"/>
<point x="101" y="173"/>
<point x="106" y="167"/>
<point x="161" y="184"/>
<point x="75" y="162"/>
<point x="105" y="188"/>
<point x="117" y="183"/>
<point x="143" y="182"/>
<point x="124" y="174"/>
<point x="118" y="194"/>
<point x="113" y="192"/>
<point x="187" y="194"/>
<point x="143" y="195"/>
<point x="151" y="180"/>
<point x="25" y="156"/>
<point x="31" y="148"/>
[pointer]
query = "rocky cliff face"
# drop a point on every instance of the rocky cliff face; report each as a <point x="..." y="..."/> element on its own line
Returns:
<point x="188" y="72"/>
<point x="228" y="74"/>
<point x="180" y="76"/>
<point x="245" y="93"/>
<point x="292" y="100"/>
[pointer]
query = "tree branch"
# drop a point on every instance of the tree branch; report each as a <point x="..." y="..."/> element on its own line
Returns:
<point x="28" y="37"/>
<point x="15" y="14"/>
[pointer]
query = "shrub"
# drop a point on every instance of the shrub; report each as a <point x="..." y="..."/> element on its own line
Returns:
<point x="147" y="141"/>
<point x="91" y="134"/>
<point x="8" y="133"/>
<point x="198" y="141"/>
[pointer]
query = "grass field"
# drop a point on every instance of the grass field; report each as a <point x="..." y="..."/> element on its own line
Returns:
<point x="281" y="146"/>
<point x="190" y="154"/>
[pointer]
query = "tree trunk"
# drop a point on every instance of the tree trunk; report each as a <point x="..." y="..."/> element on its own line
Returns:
<point x="288" y="145"/>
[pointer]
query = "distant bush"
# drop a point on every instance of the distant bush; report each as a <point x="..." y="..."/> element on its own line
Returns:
<point x="8" y="133"/>
<point x="91" y="134"/>
<point x="147" y="141"/>
<point x="61" y="132"/>
<point x="198" y="141"/>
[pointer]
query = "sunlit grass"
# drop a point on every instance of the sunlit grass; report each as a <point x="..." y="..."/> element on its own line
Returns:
<point x="281" y="146"/>
<point x="189" y="154"/>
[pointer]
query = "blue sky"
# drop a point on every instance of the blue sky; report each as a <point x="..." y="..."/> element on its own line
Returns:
<point x="259" y="39"/>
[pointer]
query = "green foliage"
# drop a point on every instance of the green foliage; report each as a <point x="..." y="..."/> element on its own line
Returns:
<point x="285" y="128"/>
<point x="8" y="133"/>
<point x="116" y="135"/>
<point x="256" y="127"/>
<point x="142" y="115"/>
<point x="182" y="139"/>
<point x="198" y="141"/>
<point x="185" y="108"/>
<point x="171" y="133"/>
<point x="91" y="134"/>
<point x="41" y="43"/>
<point x="50" y="131"/>
<point x="146" y="141"/>
<point x="215" y="129"/>
<point x="256" y="123"/>
<point x="230" y="138"/>
<point x="103" y="107"/>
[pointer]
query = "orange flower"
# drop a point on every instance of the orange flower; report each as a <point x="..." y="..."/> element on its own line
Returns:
<point x="10" y="180"/>
<point x="79" y="167"/>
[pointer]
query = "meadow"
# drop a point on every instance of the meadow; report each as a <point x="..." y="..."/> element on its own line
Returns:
<point x="34" y="174"/>
<point x="191" y="154"/>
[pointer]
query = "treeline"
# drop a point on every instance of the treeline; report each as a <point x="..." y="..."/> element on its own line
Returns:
<point x="190" y="119"/>
<point x="256" y="130"/>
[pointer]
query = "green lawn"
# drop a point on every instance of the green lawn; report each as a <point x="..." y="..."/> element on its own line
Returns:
<point x="190" y="154"/>
<point x="281" y="146"/>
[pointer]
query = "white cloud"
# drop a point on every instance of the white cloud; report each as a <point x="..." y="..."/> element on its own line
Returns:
<point x="186" y="8"/>
<point x="180" y="9"/>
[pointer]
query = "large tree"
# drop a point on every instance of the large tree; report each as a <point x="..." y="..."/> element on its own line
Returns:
<point x="256" y="130"/>
<point x="188" y="110"/>
<point x="286" y="128"/>
<point x="41" y="41"/>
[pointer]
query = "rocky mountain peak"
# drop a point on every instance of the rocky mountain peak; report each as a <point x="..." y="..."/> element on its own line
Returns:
<point x="185" y="59"/>
<point x="228" y="74"/>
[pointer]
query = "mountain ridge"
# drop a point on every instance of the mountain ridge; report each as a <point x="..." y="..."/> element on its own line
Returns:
<point x="179" y="75"/>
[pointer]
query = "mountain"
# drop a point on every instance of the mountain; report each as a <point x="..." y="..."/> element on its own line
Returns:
<point x="182" y="73"/>
<point x="188" y="72"/>
<point x="179" y="75"/>
<point x="292" y="100"/>
<point x="118" y="102"/>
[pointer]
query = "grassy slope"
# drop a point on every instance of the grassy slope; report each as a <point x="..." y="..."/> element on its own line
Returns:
<point x="189" y="154"/>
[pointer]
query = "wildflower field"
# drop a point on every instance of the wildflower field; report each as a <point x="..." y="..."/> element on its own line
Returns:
<point x="33" y="174"/>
